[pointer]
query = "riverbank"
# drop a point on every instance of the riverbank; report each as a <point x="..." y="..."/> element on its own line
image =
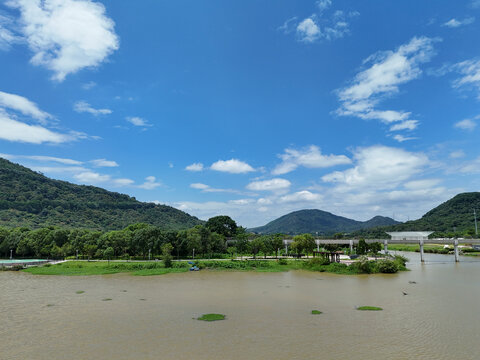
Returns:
<point x="72" y="268"/>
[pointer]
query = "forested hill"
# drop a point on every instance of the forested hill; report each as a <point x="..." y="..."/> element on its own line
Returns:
<point x="30" y="199"/>
<point x="313" y="221"/>
<point x="454" y="215"/>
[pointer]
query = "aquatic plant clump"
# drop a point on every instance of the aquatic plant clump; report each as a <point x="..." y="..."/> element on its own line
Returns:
<point x="369" y="308"/>
<point x="316" y="312"/>
<point x="211" y="317"/>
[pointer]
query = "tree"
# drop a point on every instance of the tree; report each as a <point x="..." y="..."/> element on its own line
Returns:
<point x="277" y="243"/>
<point x="223" y="225"/>
<point x="362" y="247"/>
<point x="108" y="253"/>
<point x="257" y="245"/>
<point x="308" y="243"/>
<point x="167" y="257"/>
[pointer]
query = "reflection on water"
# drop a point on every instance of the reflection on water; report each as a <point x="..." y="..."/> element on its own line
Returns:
<point x="268" y="315"/>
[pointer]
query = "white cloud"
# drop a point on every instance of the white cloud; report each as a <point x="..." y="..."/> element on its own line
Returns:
<point x="137" y="121"/>
<point x="42" y="158"/>
<point x="104" y="163"/>
<point x="122" y="182"/>
<point x="401" y="138"/>
<point x="83" y="106"/>
<point x="150" y="183"/>
<point x="379" y="167"/>
<point x="300" y="196"/>
<point x="470" y="69"/>
<point x="194" y="167"/>
<point x="66" y="35"/>
<point x="89" y="85"/>
<point x="16" y="131"/>
<point x="233" y="166"/>
<point x="209" y="189"/>
<point x="90" y="177"/>
<point x="405" y="125"/>
<point x="323" y="4"/>
<point x="388" y="70"/>
<point x="24" y="106"/>
<point x="454" y="23"/>
<point x="310" y="157"/>
<point x="199" y="186"/>
<point x="456" y="154"/>
<point x="275" y="185"/>
<point x="308" y="30"/>
<point x="467" y="124"/>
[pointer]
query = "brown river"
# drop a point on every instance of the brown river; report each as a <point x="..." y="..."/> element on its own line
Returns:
<point x="268" y="315"/>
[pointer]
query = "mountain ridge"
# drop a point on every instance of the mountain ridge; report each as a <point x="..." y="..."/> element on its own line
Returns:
<point x="28" y="198"/>
<point x="315" y="220"/>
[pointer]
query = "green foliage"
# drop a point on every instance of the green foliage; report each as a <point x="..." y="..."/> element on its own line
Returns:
<point x="387" y="266"/>
<point x="362" y="247"/>
<point x="317" y="221"/>
<point x="223" y="225"/>
<point x="167" y="257"/>
<point x="369" y="308"/>
<point x="30" y="199"/>
<point x="211" y="317"/>
<point x="282" y="262"/>
<point x="316" y="312"/>
<point x="453" y="218"/>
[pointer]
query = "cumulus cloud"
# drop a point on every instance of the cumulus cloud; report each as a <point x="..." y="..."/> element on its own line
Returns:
<point x="308" y="30"/>
<point x="379" y="167"/>
<point x="320" y="25"/>
<point x="405" y="125"/>
<point x="137" y="121"/>
<point x="387" y="71"/>
<point x="104" y="163"/>
<point x="454" y="23"/>
<point x="66" y="36"/>
<point x="194" y="167"/>
<point x="150" y="183"/>
<point x="310" y="157"/>
<point x="233" y="166"/>
<point x="275" y="185"/>
<point x="467" y="124"/>
<point x="300" y="196"/>
<point x="83" y="106"/>
<point x="90" y="177"/>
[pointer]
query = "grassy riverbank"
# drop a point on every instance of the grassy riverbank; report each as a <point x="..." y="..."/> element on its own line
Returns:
<point x="71" y="268"/>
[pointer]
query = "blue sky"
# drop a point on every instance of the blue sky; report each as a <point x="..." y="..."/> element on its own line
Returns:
<point x="251" y="109"/>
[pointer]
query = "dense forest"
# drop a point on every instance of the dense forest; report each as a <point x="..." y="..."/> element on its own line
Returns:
<point x="29" y="199"/>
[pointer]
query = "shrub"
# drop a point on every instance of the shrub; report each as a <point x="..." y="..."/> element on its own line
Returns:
<point x="387" y="266"/>
<point x="282" y="262"/>
<point x="363" y="265"/>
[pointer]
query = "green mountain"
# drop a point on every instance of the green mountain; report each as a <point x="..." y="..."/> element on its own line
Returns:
<point x="313" y="221"/>
<point x="454" y="215"/>
<point x="30" y="199"/>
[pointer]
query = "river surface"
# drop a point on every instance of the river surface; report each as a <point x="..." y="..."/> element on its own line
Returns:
<point x="268" y="315"/>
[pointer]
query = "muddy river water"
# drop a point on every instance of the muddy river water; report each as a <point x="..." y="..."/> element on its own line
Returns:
<point x="268" y="315"/>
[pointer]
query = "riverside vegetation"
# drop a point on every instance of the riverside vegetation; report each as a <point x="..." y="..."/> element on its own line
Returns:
<point x="362" y="266"/>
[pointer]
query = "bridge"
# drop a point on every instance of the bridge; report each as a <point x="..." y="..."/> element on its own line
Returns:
<point x="406" y="240"/>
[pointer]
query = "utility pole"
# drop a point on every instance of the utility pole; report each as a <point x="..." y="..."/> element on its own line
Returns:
<point x="475" y="216"/>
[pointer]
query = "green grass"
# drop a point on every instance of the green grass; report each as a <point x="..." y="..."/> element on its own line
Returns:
<point x="149" y="268"/>
<point x="316" y="312"/>
<point x="369" y="308"/>
<point x="79" y="292"/>
<point x="436" y="249"/>
<point x="211" y="317"/>
<point x="107" y="299"/>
